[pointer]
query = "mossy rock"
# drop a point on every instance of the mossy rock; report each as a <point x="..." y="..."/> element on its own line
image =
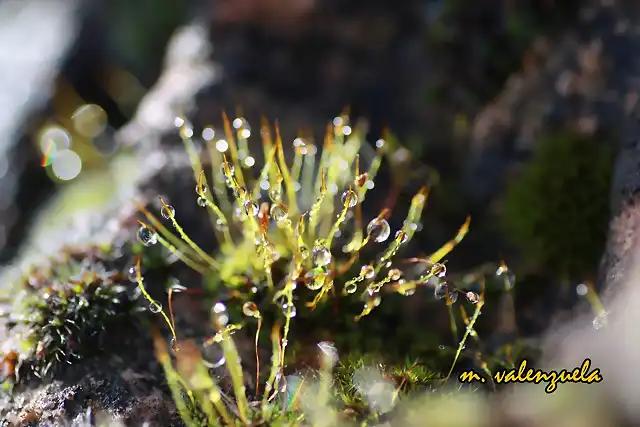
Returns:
<point x="557" y="210"/>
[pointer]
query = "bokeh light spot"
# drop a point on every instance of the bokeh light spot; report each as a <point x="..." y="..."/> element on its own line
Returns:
<point x="90" y="120"/>
<point x="66" y="165"/>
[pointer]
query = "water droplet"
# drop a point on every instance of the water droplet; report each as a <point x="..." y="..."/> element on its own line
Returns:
<point x="250" y="309"/>
<point x="174" y="345"/>
<point x="239" y="192"/>
<point x="133" y="274"/>
<point x="373" y="302"/>
<point x="408" y="292"/>
<point x="351" y="288"/>
<point x="304" y="252"/>
<point x="289" y="311"/>
<point x="582" y="289"/>
<point x="278" y="212"/>
<point x="438" y="270"/>
<point x="251" y="208"/>
<point x="275" y="194"/>
<point x="315" y="279"/>
<point x="280" y="300"/>
<point x="177" y="288"/>
<point x="367" y="271"/>
<point x="221" y="225"/>
<point x="401" y="236"/>
<point x="168" y="211"/>
<point x="472" y="297"/>
<point x="201" y="190"/>
<point x="329" y="352"/>
<point x="452" y="296"/>
<point x="146" y="236"/>
<point x="379" y="229"/>
<point x="202" y="202"/>
<point x="441" y="347"/>
<point x="321" y="255"/>
<point x="218" y="363"/>
<point x="223" y="169"/>
<point x="441" y="290"/>
<point x="349" y="198"/>
<point x="220" y="316"/>
<point x="394" y="274"/>
<point x="155" y="307"/>
<point x="510" y="280"/>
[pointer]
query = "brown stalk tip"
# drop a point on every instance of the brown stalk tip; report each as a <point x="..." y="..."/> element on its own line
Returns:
<point x="159" y="344"/>
<point x="361" y="179"/>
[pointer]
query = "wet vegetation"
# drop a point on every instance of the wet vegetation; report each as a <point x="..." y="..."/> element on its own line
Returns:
<point x="303" y="273"/>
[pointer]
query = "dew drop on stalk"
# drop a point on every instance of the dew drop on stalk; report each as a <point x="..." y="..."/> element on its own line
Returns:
<point x="472" y="297"/>
<point x="321" y="255"/>
<point x="394" y="274"/>
<point x="438" y="270"/>
<point x="251" y="208"/>
<point x="582" y="289"/>
<point x="372" y="302"/>
<point x="202" y="202"/>
<point x="367" y="271"/>
<point x="174" y="346"/>
<point x="379" y="229"/>
<point x="289" y="311"/>
<point x="314" y="279"/>
<point x="408" y="292"/>
<point x="177" y="288"/>
<point x="278" y="212"/>
<point x="280" y="300"/>
<point x="146" y="236"/>
<point x="223" y="169"/>
<point x="441" y="290"/>
<point x="275" y="194"/>
<point x="155" y="307"/>
<point x="349" y="198"/>
<point x="250" y="309"/>
<point x="167" y="211"/>
<point x="239" y="192"/>
<point x="351" y="288"/>
<point x="133" y="274"/>
<point x="304" y="252"/>
<point x="452" y="296"/>
<point x="221" y="225"/>
<point x="201" y="190"/>
<point x="220" y="316"/>
<point x="510" y="280"/>
<point x="401" y="236"/>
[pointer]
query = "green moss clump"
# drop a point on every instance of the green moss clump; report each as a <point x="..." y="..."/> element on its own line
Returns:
<point x="67" y="310"/>
<point x="557" y="210"/>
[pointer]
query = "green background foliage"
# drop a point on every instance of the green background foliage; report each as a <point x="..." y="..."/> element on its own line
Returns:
<point x="556" y="211"/>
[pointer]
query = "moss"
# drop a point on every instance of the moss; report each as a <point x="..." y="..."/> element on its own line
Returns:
<point x="298" y="252"/>
<point x="67" y="310"/>
<point x="557" y="209"/>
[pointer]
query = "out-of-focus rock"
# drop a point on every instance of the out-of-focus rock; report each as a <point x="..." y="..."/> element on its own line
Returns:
<point x="27" y="73"/>
<point x="581" y="80"/>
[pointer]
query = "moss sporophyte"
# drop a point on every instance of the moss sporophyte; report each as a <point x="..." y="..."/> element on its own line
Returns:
<point x="277" y="230"/>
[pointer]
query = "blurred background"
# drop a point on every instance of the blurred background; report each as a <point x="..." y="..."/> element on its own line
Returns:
<point x="508" y="100"/>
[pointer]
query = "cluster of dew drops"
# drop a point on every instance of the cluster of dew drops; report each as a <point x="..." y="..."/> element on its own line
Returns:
<point x="378" y="230"/>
